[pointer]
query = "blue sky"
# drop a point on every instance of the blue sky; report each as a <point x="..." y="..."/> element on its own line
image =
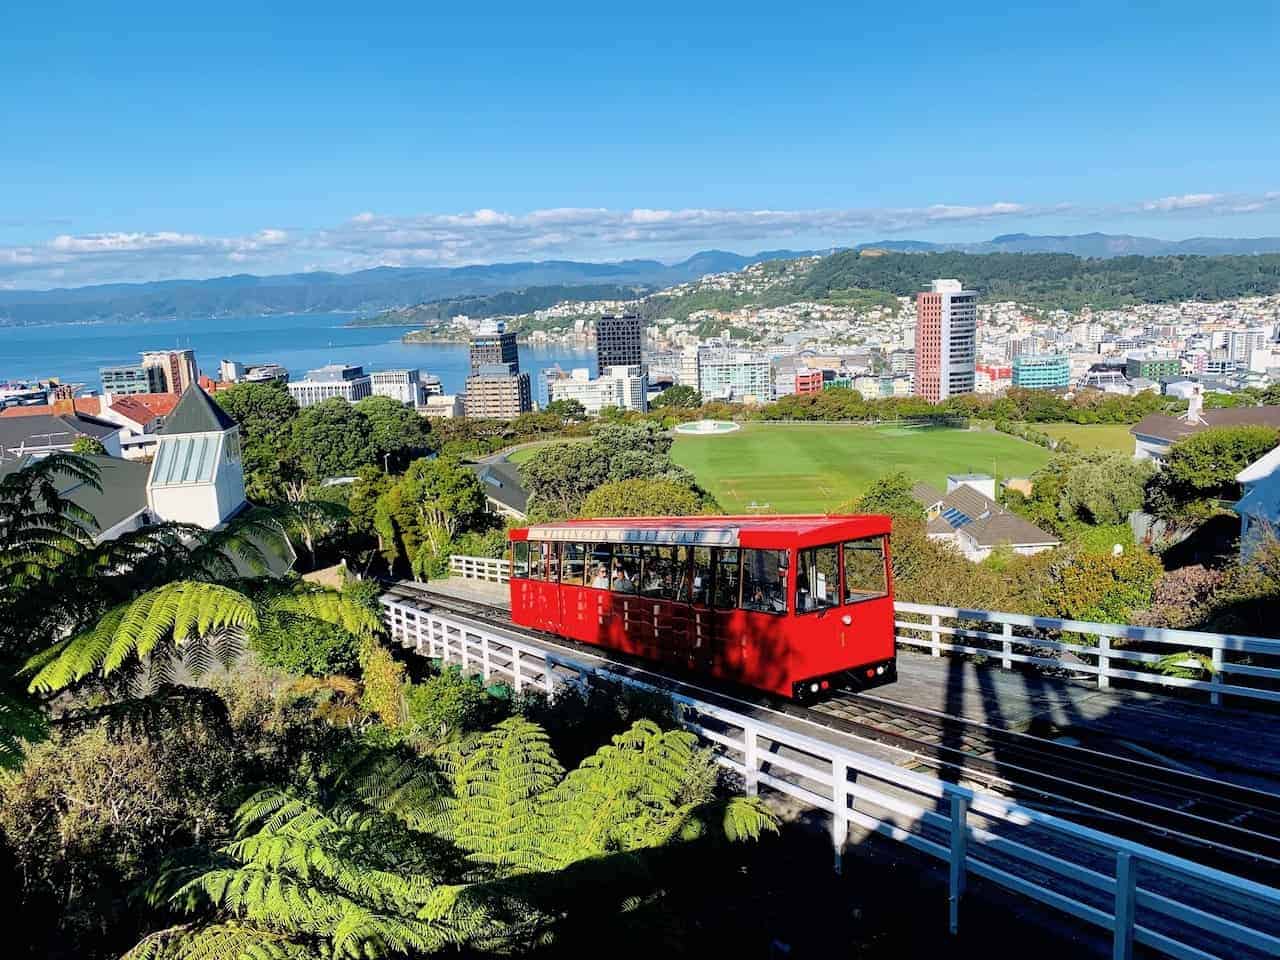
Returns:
<point x="147" y="141"/>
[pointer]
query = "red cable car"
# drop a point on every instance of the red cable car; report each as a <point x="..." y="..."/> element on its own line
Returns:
<point x="794" y="605"/>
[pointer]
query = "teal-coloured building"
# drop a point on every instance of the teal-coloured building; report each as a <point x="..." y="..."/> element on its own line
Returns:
<point x="1042" y="372"/>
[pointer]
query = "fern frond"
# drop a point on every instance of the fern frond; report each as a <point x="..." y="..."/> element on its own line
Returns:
<point x="329" y="606"/>
<point x="176" y="613"/>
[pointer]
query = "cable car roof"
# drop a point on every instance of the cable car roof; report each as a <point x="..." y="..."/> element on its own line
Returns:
<point x="771" y="531"/>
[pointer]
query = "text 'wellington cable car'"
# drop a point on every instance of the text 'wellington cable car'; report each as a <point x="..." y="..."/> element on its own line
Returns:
<point x="795" y="605"/>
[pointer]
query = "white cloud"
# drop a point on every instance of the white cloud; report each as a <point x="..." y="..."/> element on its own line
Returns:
<point x="485" y="235"/>
<point x="1188" y="201"/>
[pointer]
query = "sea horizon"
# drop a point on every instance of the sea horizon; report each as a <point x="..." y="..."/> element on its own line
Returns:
<point x="297" y="341"/>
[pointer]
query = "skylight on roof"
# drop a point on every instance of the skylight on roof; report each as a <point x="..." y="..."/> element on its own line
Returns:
<point x="185" y="459"/>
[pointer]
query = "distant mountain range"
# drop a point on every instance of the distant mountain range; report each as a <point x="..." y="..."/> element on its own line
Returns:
<point x="384" y="288"/>
<point x="367" y="291"/>
<point x="1090" y="245"/>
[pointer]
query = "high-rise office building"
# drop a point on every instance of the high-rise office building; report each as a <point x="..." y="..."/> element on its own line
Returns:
<point x="619" y="342"/>
<point x="497" y="390"/>
<point x="946" y="334"/>
<point x="494" y="344"/>
<point x="177" y="367"/>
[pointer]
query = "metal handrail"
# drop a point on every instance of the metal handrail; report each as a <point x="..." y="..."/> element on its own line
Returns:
<point x="1139" y="894"/>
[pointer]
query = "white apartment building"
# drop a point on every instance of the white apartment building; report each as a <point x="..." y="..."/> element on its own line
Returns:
<point x="727" y="373"/>
<point x="402" y="385"/>
<point x="622" y="386"/>
<point x="349" y="382"/>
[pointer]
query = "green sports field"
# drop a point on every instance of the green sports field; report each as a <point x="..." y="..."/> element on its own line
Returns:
<point x="804" y="468"/>
<point x="1090" y="436"/>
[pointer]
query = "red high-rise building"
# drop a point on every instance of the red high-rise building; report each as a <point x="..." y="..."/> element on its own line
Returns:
<point x="946" y="340"/>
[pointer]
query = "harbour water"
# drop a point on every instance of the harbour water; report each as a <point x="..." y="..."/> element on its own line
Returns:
<point x="301" y="342"/>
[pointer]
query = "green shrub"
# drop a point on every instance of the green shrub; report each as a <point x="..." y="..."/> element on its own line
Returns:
<point x="305" y="647"/>
<point x="450" y="704"/>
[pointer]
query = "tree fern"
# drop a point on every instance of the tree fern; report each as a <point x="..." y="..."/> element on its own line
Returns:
<point x="352" y="882"/>
<point x="221" y="941"/>
<point x="177" y="612"/>
<point x="500" y="791"/>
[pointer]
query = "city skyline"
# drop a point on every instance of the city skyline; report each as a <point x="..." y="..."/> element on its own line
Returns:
<point x="210" y="148"/>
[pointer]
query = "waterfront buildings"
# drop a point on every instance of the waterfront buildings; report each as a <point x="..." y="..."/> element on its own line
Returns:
<point x="491" y="344"/>
<point x="499" y="391"/>
<point x="946" y="340"/>
<point x="132" y="378"/>
<point x="619" y="342"/>
<point x="402" y="385"/>
<point x="447" y="405"/>
<point x="176" y="370"/>
<point x="624" y="387"/>
<point x="1041" y="371"/>
<point x="347" y="381"/>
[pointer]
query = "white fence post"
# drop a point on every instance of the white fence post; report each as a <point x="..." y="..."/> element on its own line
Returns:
<point x="959" y="851"/>
<point x="936" y="645"/>
<point x="750" y="760"/>
<point x="1215" y="697"/>
<point x="484" y="656"/>
<point x="1126" y="894"/>
<point x="1104" y="662"/>
<point x="1006" y="647"/>
<point x="839" y="811"/>
<point x="515" y="668"/>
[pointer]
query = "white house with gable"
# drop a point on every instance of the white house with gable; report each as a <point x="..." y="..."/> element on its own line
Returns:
<point x="1259" y="508"/>
<point x="196" y="476"/>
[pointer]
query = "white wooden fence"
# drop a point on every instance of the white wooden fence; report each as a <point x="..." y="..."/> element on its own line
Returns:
<point x="1242" y="666"/>
<point x="1138" y="895"/>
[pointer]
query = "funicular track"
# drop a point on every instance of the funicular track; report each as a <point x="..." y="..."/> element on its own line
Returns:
<point x="1216" y="822"/>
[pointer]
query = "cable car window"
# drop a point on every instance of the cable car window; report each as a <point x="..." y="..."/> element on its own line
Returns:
<point x="684" y="574"/>
<point x="572" y="563"/>
<point x="864" y="570"/>
<point x="598" y="563"/>
<point x="764" y="580"/>
<point x="659" y="574"/>
<point x="520" y="558"/>
<point x="728" y="577"/>
<point x="537" y="568"/>
<point x="701" y="582"/>
<point x="818" y="579"/>
<point x="625" y="575"/>
<point x="551" y="552"/>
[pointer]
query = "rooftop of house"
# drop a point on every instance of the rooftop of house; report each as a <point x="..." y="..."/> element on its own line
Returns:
<point x="123" y="493"/>
<point x="501" y="480"/>
<point x="89" y="406"/>
<point x="1160" y="426"/>
<point x="980" y="518"/>
<point x="50" y="430"/>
